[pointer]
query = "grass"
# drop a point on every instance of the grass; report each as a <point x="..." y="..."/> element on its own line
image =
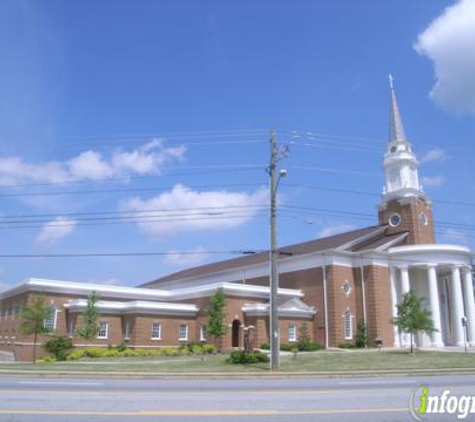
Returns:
<point x="322" y="362"/>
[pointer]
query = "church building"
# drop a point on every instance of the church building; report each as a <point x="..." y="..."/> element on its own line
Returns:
<point x="326" y="286"/>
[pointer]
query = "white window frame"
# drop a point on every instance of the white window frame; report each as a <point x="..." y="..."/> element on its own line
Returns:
<point x="180" y="337"/>
<point x="127" y="330"/>
<point x="53" y="319"/>
<point x="348" y="325"/>
<point x="292" y="333"/>
<point x="159" y="337"/>
<point x="106" y="335"/>
<point x="71" y="328"/>
<point x="202" y="332"/>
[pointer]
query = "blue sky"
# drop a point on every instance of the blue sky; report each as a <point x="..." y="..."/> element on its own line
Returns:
<point x="168" y="105"/>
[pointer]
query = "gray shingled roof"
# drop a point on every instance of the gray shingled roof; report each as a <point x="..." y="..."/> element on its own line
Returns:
<point x="325" y="243"/>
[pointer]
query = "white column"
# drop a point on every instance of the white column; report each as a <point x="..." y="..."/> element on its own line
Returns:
<point x="406" y="338"/>
<point x="457" y="306"/>
<point x="392" y="278"/>
<point x="469" y="304"/>
<point x="434" y="305"/>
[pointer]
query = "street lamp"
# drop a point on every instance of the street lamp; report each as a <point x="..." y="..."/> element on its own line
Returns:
<point x="274" y="277"/>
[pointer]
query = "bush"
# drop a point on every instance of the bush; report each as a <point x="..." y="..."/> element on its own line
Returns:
<point x="122" y="347"/>
<point x="59" y="347"/>
<point x="361" y="339"/>
<point x="346" y="346"/>
<point x="47" y="359"/>
<point x="265" y="346"/>
<point x="75" y="355"/>
<point x="309" y="346"/>
<point x="208" y="348"/>
<point x="243" y="358"/>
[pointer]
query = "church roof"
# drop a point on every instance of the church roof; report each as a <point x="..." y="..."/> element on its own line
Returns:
<point x="342" y="241"/>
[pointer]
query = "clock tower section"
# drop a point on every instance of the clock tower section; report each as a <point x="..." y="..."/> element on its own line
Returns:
<point x="404" y="207"/>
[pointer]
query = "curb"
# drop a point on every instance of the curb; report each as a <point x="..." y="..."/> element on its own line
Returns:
<point x="237" y="375"/>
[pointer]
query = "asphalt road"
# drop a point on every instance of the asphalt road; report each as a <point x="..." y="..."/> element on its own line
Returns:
<point x="44" y="399"/>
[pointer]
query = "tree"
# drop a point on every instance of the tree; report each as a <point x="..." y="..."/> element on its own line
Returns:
<point x="412" y="318"/>
<point x="90" y="316"/>
<point x="216" y="325"/>
<point x="33" y="316"/>
<point x="361" y="338"/>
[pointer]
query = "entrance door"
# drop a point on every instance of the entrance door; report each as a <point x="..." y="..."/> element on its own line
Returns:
<point x="235" y="333"/>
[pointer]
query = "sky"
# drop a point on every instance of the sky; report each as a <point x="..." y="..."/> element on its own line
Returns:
<point x="143" y="126"/>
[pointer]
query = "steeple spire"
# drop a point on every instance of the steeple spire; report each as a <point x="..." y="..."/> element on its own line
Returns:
<point x="396" y="128"/>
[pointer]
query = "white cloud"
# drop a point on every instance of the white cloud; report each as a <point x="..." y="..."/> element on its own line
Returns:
<point x="112" y="281"/>
<point x="183" y="209"/>
<point x="56" y="230"/>
<point x="177" y="259"/>
<point x="453" y="235"/>
<point x="335" y="229"/>
<point x="92" y="165"/>
<point x="435" y="154"/>
<point x="449" y="42"/>
<point x="435" y="181"/>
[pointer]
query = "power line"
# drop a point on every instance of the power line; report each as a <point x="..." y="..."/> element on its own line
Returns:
<point x="128" y="254"/>
<point x="127" y="190"/>
<point x="227" y="169"/>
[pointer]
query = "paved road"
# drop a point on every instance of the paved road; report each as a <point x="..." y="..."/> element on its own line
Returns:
<point x="280" y="400"/>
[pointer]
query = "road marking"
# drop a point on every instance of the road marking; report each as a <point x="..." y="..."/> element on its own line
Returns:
<point x="201" y="392"/>
<point x="59" y="383"/>
<point x="377" y="382"/>
<point x="256" y="412"/>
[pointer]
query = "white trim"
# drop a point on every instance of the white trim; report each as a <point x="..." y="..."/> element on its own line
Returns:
<point x="348" y="324"/>
<point x="159" y="337"/>
<point x="180" y="338"/>
<point x="292" y="338"/>
<point x="202" y="332"/>
<point x="106" y="336"/>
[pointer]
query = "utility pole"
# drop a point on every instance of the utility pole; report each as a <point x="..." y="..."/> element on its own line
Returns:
<point x="274" y="282"/>
<point x="274" y="276"/>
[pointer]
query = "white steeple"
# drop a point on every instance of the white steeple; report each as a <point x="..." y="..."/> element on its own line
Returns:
<point x="400" y="163"/>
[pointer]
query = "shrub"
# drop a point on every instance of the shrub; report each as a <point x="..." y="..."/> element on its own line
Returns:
<point x="59" y="347"/>
<point x="265" y="346"/>
<point x="346" y="346"/>
<point x="47" y="359"/>
<point x="208" y="349"/>
<point x="311" y="347"/>
<point x="122" y="347"/>
<point x="244" y="358"/>
<point x="75" y="355"/>
<point x="361" y="339"/>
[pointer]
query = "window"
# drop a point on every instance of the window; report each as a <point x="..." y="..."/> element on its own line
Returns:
<point x="156" y="331"/>
<point x="348" y="325"/>
<point x="394" y="220"/>
<point x="292" y="333"/>
<point x="202" y="332"/>
<point x="183" y="334"/>
<point x="127" y="331"/>
<point x="103" y="330"/>
<point x="71" y="328"/>
<point x="50" y="323"/>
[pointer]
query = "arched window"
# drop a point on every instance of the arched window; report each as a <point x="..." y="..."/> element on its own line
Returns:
<point x="348" y="325"/>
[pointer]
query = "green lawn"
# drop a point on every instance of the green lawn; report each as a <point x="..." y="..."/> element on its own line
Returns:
<point x="319" y="362"/>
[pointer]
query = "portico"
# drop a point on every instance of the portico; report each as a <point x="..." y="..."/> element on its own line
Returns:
<point x="442" y="275"/>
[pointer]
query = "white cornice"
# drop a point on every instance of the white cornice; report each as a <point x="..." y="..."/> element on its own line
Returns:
<point x="134" y="307"/>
